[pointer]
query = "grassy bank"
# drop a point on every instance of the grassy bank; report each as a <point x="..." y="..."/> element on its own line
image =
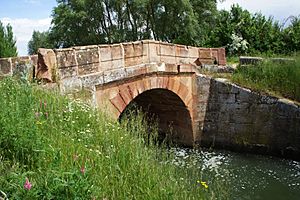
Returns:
<point x="275" y="78"/>
<point x="67" y="150"/>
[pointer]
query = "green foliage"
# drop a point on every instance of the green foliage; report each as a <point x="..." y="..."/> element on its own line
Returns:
<point x="189" y="22"/>
<point x="39" y="40"/>
<point x="7" y="42"/>
<point x="68" y="150"/>
<point x="83" y="22"/>
<point x="278" y="78"/>
<point x="264" y="35"/>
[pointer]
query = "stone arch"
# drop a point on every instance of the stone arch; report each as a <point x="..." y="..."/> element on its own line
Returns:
<point x="174" y="90"/>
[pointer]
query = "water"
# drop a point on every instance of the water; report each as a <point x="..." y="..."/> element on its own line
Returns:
<point x="245" y="176"/>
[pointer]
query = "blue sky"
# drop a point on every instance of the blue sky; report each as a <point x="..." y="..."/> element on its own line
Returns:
<point x="28" y="15"/>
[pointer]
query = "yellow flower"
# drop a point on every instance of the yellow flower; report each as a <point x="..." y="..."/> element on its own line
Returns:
<point x="203" y="183"/>
<point x="39" y="123"/>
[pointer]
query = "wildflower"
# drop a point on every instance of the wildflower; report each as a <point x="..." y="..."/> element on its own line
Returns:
<point x="203" y="183"/>
<point x="82" y="170"/>
<point x="27" y="185"/>
<point x="37" y="114"/>
<point x="75" y="157"/>
<point x="39" y="123"/>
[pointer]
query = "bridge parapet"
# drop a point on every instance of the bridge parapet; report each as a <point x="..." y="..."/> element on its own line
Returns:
<point x="85" y="66"/>
<point x="96" y="64"/>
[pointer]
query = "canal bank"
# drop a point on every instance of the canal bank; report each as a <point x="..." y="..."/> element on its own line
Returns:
<point x="235" y="118"/>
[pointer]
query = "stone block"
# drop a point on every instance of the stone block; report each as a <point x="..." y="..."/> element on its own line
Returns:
<point x="153" y="82"/>
<point x="153" y="52"/>
<point x="67" y="72"/>
<point x="147" y="83"/>
<point x="65" y="58"/>
<point x="160" y="82"/>
<point x="133" y="88"/>
<point x="105" y="53"/>
<point x="244" y="60"/>
<point x="87" y="55"/>
<point x="204" y="61"/>
<point x="166" y="49"/>
<point x="118" y="103"/>
<point x="70" y="85"/>
<point x="136" y="71"/>
<point x="193" y="52"/>
<point x="264" y="99"/>
<point x="117" y="63"/>
<point x="182" y="51"/>
<point x="165" y="82"/>
<point x="171" y="68"/>
<point x="117" y="51"/>
<point x="222" y="56"/>
<point x="114" y="75"/>
<point x="133" y="53"/>
<point x="204" y="53"/>
<point x="5" y="66"/>
<point x="176" y="86"/>
<point x="168" y="59"/>
<point x="125" y="93"/>
<point x="22" y="68"/>
<point x="133" y="61"/>
<point x="215" y="55"/>
<point x="92" y="80"/>
<point x="186" y="68"/>
<point x="88" y="69"/>
<point x="183" y="91"/>
<point x="140" y="86"/>
<point x="105" y="66"/>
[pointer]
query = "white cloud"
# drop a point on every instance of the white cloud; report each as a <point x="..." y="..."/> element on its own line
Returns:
<point x="23" y="29"/>
<point x="280" y="9"/>
<point x="33" y="1"/>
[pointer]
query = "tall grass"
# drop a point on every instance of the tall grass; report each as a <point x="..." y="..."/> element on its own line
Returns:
<point x="68" y="150"/>
<point x="278" y="78"/>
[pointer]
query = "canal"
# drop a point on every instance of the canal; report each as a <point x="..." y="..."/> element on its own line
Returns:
<point x="241" y="176"/>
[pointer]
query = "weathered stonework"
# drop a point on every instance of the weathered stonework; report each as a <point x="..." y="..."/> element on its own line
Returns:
<point x="20" y="67"/>
<point x="47" y="66"/>
<point x="239" y="119"/>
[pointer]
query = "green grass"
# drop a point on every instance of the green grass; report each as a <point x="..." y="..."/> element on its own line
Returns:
<point x="274" y="78"/>
<point x="68" y="150"/>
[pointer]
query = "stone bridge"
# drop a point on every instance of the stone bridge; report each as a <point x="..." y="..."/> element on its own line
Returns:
<point x="165" y="80"/>
<point x="158" y="77"/>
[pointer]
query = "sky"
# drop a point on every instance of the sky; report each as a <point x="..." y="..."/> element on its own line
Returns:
<point x="25" y="16"/>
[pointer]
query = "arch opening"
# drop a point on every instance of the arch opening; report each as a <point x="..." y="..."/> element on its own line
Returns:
<point x="172" y="116"/>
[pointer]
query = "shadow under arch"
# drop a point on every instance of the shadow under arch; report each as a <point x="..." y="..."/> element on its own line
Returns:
<point x="173" y="117"/>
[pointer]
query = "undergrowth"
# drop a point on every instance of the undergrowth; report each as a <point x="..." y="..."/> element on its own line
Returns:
<point x="276" y="78"/>
<point x="67" y="150"/>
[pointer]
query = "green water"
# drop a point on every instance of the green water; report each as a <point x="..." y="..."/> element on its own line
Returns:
<point x="242" y="176"/>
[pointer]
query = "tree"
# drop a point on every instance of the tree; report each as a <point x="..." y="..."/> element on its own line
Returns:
<point x="7" y="42"/>
<point x="84" y="22"/>
<point x="39" y="40"/>
<point x="292" y="35"/>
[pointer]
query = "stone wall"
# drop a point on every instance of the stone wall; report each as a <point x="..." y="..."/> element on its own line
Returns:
<point x="21" y="67"/>
<point x="236" y="118"/>
<point x="88" y="66"/>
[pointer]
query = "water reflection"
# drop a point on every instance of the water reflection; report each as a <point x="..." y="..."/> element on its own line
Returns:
<point x="247" y="176"/>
